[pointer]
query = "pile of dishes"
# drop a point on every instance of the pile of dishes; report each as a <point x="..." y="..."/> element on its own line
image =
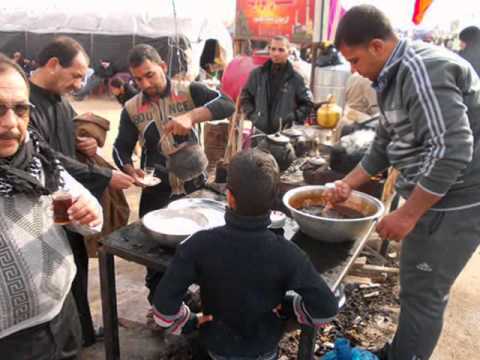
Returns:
<point x="183" y="218"/>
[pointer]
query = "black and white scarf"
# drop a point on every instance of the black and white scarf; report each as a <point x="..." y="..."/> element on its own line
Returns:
<point x="21" y="173"/>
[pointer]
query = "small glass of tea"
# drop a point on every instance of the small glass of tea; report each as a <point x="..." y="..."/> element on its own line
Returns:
<point x="149" y="174"/>
<point x="62" y="201"/>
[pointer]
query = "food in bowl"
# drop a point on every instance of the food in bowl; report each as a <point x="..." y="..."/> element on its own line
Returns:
<point x="328" y="229"/>
<point x="316" y="204"/>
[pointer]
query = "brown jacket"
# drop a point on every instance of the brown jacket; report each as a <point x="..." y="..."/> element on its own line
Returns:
<point x="114" y="203"/>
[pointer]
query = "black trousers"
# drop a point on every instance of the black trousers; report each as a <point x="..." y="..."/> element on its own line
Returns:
<point x="80" y="287"/>
<point x="152" y="199"/>
<point x="61" y="338"/>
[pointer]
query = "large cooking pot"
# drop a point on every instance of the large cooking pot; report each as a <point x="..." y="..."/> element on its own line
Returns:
<point x="330" y="229"/>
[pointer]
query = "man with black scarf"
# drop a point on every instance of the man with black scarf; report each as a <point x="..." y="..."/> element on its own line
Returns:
<point x="276" y="95"/>
<point x="62" y="66"/>
<point x="38" y="318"/>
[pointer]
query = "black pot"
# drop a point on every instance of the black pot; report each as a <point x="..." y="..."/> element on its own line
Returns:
<point x="280" y="148"/>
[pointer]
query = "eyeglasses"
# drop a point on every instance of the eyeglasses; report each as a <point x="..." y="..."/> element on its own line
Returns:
<point x="20" y="109"/>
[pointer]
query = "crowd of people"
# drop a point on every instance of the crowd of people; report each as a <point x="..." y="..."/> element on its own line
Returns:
<point x="252" y="280"/>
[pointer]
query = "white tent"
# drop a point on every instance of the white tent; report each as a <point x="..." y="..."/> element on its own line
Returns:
<point x="154" y="20"/>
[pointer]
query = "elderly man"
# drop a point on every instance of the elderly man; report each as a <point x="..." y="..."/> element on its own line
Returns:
<point x="38" y="317"/>
<point x="430" y="101"/>
<point x="168" y="108"/>
<point x="63" y="64"/>
<point x="275" y="94"/>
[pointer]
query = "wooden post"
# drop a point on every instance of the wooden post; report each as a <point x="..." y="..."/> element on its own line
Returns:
<point x="109" y="304"/>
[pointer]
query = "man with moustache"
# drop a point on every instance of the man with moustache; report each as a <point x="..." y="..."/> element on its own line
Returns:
<point x="38" y="316"/>
<point x="62" y="66"/>
<point x="177" y="107"/>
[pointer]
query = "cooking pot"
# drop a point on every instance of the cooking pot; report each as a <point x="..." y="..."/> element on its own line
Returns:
<point x="331" y="229"/>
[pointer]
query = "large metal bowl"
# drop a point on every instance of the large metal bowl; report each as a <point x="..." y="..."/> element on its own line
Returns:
<point x="328" y="229"/>
<point x="169" y="227"/>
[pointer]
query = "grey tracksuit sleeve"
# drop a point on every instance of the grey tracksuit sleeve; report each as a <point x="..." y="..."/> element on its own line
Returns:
<point x="434" y="102"/>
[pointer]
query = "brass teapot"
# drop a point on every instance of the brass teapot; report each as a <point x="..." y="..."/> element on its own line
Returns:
<point x="329" y="114"/>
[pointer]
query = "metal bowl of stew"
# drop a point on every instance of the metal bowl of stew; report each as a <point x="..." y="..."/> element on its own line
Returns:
<point x="347" y="221"/>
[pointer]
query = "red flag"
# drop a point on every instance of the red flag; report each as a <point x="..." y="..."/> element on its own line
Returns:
<point x="421" y="7"/>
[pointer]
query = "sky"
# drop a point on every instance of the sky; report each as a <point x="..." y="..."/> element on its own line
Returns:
<point x="442" y="12"/>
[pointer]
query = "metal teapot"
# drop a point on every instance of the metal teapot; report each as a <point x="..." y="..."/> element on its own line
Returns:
<point x="298" y="140"/>
<point x="281" y="149"/>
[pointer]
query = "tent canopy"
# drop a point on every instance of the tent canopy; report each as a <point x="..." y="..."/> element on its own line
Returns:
<point x="118" y="28"/>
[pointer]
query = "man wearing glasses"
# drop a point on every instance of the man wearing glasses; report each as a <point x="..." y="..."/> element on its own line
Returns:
<point x="38" y="317"/>
<point x="275" y="95"/>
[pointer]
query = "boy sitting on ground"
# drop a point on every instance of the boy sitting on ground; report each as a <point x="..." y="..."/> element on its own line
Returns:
<point x="244" y="271"/>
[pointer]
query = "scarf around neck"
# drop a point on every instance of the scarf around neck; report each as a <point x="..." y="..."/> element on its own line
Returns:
<point x="21" y="173"/>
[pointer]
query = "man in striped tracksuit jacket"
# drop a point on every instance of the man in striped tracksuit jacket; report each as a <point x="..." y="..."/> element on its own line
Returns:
<point x="430" y="102"/>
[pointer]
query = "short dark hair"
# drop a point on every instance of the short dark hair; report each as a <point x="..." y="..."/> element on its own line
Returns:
<point x="281" y="38"/>
<point x="253" y="178"/>
<point x="142" y="52"/>
<point x="361" y="24"/>
<point x="117" y="83"/>
<point x="8" y="64"/>
<point x="470" y="35"/>
<point x="64" y="48"/>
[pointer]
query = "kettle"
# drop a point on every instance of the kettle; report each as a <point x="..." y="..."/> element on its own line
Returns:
<point x="281" y="149"/>
<point x="328" y="115"/>
<point x="298" y="140"/>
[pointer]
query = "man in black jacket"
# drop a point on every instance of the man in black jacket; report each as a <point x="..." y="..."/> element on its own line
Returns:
<point x="276" y="95"/>
<point x="63" y="64"/>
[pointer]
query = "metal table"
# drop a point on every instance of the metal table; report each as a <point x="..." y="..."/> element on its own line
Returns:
<point x="132" y="243"/>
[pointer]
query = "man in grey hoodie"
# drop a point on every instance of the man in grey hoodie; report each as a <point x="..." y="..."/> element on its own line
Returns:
<point x="430" y="102"/>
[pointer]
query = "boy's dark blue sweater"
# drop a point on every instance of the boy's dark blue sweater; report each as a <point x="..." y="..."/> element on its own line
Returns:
<point x="244" y="271"/>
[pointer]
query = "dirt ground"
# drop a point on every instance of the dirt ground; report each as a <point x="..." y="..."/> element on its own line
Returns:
<point x="460" y="334"/>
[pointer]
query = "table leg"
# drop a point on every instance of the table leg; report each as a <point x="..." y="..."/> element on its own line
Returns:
<point x="306" y="346"/>
<point x="109" y="304"/>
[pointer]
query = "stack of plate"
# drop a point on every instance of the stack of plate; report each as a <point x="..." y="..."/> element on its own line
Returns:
<point x="182" y="218"/>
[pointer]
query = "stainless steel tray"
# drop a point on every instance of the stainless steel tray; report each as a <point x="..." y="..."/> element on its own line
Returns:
<point x="168" y="226"/>
<point x="213" y="210"/>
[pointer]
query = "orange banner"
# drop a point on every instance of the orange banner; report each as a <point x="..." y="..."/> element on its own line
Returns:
<point x="262" y="19"/>
<point x="421" y="7"/>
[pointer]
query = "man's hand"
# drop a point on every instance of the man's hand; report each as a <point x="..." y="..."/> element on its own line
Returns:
<point x="87" y="145"/>
<point x="121" y="181"/>
<point x="135" y="174"/>
<point x="84" y="212"/>
<point x="180" y="125"/>
<point x="396" y="225"/>
<point x="339" y="193"/>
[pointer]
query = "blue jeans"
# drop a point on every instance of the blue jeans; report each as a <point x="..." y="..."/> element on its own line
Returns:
<point x="269" y="356"/>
